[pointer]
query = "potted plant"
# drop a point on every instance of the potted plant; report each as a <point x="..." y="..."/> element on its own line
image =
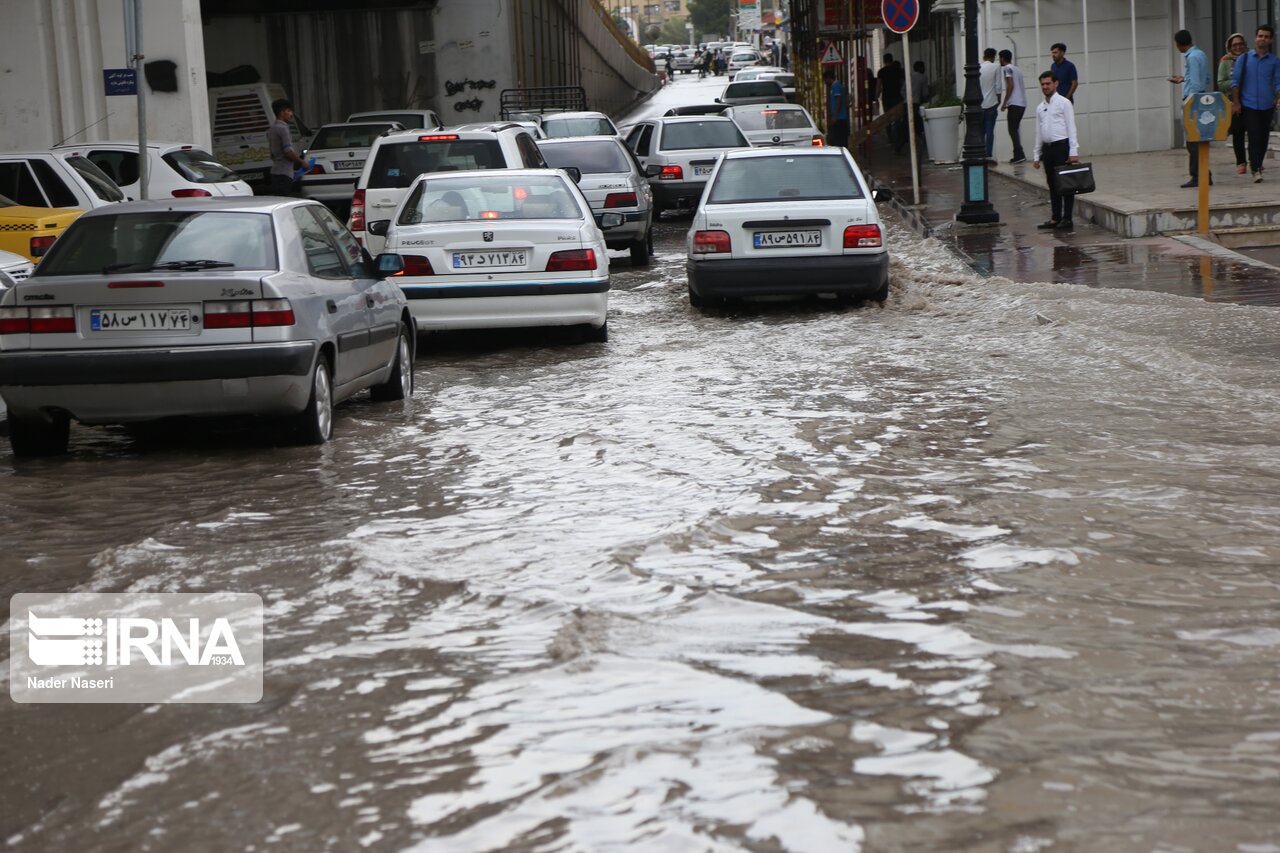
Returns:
<point x="942" y="127"/>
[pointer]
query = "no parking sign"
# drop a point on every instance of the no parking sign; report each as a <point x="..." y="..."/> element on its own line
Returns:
<point x="900" y="15"/>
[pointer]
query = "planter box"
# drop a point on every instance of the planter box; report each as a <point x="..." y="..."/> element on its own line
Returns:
<point x="942" y="133"/>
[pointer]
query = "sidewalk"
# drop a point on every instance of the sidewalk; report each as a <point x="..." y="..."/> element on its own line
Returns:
<point x="1143" y="184"/>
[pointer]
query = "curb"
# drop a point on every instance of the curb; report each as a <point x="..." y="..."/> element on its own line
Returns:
<point x="909" y="213"/>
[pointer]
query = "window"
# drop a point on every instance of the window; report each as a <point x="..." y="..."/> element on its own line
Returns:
<point x="59" y="194"/>
<point x="102" y="186"/>
<point x="136" y="242"/>
<point x="346" y="243"/>
<point x="771" y="119"/>
<point x="702" y="134"/>
<point x="445" y="199"/>
<point x="322" y="258"/>
<point x="529" y="152"/>
<point x="753" y="179"/>
<point x="594" y="157"/>
<point x="640" y="139"/>
<point x="17" y="182"/>
<point x="347" y="136"/>
<point x="409" y="121"/>
<point x="398" y="164"/>
<point x="198" y="167"/>
<point x="578" y="127"/>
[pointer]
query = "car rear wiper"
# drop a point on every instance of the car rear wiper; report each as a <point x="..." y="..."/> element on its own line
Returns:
<point x="110" y="268"/>
<point x="191" y="265"/>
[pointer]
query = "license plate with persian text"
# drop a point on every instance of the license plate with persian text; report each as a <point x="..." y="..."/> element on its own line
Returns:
<point x="786" y="239"/>
<point x="155" y="318"/>
<point x="475" y="260"/>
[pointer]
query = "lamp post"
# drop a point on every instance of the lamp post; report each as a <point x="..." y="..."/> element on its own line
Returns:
<point x="977" y="208"/>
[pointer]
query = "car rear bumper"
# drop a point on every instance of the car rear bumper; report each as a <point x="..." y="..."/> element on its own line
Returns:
<point x="329" y="189"/>
<point x="859" y="275"/>
<point x="635" y="227"/>
<point x="683" y="194"/>
<point x="117" y="386"/>
<point x="511" y="311"/>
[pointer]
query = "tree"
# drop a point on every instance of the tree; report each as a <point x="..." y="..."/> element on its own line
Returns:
<point x="673" y="32"/>
<point x="710" y="17"/>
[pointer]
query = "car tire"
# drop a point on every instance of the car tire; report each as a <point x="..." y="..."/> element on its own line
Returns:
<point x="32" y="435"/>
<point x="595" y="335"/>
<point x="642" y="249"/>
<point x="695" y="300"/>
<point x="399" y="384"/>
<point x="882" y="293"/>
<point x="314" y="424"/>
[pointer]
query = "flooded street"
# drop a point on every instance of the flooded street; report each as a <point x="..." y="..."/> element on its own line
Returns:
<point x="991" y="568"/>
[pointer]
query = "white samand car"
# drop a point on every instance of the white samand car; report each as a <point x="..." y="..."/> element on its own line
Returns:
<point x="501" y="249"/>
<point x="787" y="221"/>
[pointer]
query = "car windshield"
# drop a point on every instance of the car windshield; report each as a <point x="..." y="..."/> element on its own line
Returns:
<point x="409" y="121"/>
<point x="783" y="80"/>
<point x="745" y="57"/>
<point x="501" y="197"/>
<point x="348" y="136"/>
<point x="198" y="167"/>
<point x="135" y="242"/>
<point x="396" y="165"/>
<point x="702" y="134"/>
<point x="772" y="179"/>
<point x="589" y="157"/>
<point x="102" y="186"/>
<point x="553" y="127"/>
<point x="771" y="119"/>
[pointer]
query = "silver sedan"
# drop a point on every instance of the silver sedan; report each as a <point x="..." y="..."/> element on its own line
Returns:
<point x="201" y="307"/>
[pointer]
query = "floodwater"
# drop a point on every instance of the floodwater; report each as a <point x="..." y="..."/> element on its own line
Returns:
<point x="993" y="567"/>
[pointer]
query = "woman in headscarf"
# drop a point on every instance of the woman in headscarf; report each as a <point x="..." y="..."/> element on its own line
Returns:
<point x="1235" y="47"/>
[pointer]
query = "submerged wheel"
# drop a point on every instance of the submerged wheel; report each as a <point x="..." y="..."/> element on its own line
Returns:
<point x="399" y="384"/>
<point x="696" y="301"/>
<point x="594" y="335"/>
<point x="882" y="293"/>
<point x="314" y="424"/>
<point x="33" y="435"/>
<point x="641" y="249"/>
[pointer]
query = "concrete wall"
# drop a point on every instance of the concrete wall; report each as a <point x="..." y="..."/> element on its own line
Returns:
<point x="54" y="53"/>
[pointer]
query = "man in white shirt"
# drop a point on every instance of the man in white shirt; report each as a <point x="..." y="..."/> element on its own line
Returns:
<point x="1015" y="103"/>
<point x="1057" y="143"/>
<point x="989" y="82"/>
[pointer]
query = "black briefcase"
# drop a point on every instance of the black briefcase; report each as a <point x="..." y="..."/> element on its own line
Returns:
<point x="1075" y="178"/>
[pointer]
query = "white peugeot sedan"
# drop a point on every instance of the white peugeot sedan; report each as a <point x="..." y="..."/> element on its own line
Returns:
<point x="783" y="221"/>
<point x="501" y="248"/>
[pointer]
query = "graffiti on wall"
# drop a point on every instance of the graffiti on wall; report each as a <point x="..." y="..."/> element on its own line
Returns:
<point x="454" y="87"/>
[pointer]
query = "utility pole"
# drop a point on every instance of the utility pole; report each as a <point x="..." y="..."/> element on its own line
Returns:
<point x="133" y="47"/>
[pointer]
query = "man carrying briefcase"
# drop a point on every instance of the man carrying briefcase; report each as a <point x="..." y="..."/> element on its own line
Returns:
<point x="1057" y="143"/>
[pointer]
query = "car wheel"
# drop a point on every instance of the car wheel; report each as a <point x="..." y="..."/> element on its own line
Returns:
<point x="882" y="293"/>
<point x="399" y="384"/>
<point x="32" y="435"/>
<point x="594" y="335"/>
<point x="314" y="424"/>
<point x="641" y="249"/>
<point x="695" y="300"/>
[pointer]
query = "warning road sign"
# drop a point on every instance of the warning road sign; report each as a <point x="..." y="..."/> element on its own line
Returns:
<point x="831" y="55"/>
<point x="900" y="15"/>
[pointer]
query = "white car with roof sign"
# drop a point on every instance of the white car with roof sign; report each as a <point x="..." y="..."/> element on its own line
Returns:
<point x="787" y="221"/>
<point x="501" y="249"/>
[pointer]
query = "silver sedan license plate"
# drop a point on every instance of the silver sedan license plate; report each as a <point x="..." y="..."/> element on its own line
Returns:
<point x="475" y="260"/>
<point x="787" y="239"/>
<point x="150" y="319"/>
<point x="702" y="171"/>
<point x="348" y="164"/>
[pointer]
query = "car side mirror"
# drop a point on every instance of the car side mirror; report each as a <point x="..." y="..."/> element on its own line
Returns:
<point x="575" y="173"/>
<point x="882" y="194"/>
<point x="389" y="263"/>
<point x="378" y="227"/>
<point x="652" y="171"/>
<point x="718" y="101"/>
<point x="611" y="220"/>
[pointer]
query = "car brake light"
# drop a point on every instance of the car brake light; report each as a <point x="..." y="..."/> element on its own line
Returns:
<point x="819" y="142"/>
<point x="357" y="211"/>
<point x="671" y="173"/>
<point x="620" y="200"/>
<point x="711" y="242"/>
<point x="53" y="318"/>
<point x="520" y="193"/>
<point x="241" y="314"/>
<point x="316" y="169"/>
<point x="15" y="321"/>
<point x="572" y="259"/>
<point x="438" y="137"/>
<point x="862" y="237"/>
<point x="40" y="245"/>
<point x="416" y="265"/>
<point x="192" y="194"/>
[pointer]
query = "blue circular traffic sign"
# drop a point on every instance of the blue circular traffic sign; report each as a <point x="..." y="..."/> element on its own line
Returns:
<point x="900" y="15"/>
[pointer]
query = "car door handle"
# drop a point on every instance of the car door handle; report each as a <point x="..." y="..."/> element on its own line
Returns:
<point x="331" y="305"/>
<point x="383" y="204"/>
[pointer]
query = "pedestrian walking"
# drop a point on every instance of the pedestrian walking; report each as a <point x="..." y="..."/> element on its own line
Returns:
<point x="1255" y="92"/>
<point x="989" y="83"/>
<point x="1056" y="144"/>
<point x="1194" y="80"/>
<point x="1236" y="47"/>
<point x="837" y="111"/>
<point x="1015" y="102"/>
<point x="889" y="81"/>
<point x="1064" y="71"/>
<point x="284" y="159"/>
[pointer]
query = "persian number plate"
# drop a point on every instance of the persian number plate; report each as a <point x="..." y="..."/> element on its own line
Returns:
<point x="153" y="318"/>
<point x="348" y="164"/>
<point x="702" y="171"/>
<point x="476" y="260"/>
<point x="786" y="239"/>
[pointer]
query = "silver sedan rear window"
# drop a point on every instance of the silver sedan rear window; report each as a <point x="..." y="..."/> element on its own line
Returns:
<point x="753" y="179"/>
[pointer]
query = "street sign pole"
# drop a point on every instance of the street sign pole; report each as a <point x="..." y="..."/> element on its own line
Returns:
<point x="1202" y="220"/>
<point x="133" y="37"/>
<point x="900" y="16"/>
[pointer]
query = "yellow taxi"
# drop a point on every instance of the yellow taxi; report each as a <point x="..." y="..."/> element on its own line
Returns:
<point x="30" y="231"/>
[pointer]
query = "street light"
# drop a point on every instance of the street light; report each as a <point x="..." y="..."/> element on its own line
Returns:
<point x="977" y="209"/>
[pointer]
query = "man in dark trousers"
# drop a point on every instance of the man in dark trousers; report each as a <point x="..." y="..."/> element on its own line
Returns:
<point x="889" y="81"/>
<point x="1056" y="144"/>
<point x="1255" y="92"/>
<point x="837" y="111"/>
<point x="1064" y="71"/>
<point x="284" y="158"/>
<point x="1194" y="80"/>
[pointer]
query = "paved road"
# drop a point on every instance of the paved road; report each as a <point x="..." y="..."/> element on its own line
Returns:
<point x="990" y="568"/>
